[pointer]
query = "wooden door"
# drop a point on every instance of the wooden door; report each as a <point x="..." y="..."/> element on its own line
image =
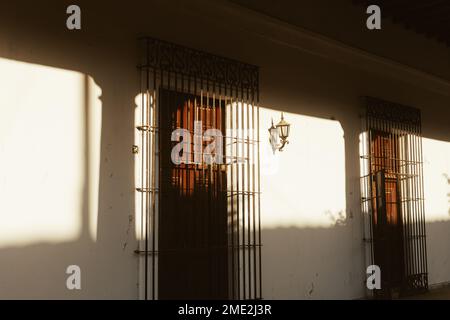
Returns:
<point x="387" y="218"/>
<point x="192" y="257"/>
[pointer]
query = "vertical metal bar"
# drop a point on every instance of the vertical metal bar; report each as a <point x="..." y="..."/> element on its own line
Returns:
<point x="154" y="132"/>
<point x="412" y="200"/>
<point x="251" y="246"/>
<point x="190" y="225"/>
<point x="190" y="170"/>
<point x="408" y="202"/>
<point x="369" y="182"/>
<point x="420" y="204"/>
<point x="208" y="184"/>
<point x="216" y="199"/>
<point x="160" y="108"/>
<point x="388" y="185"/>
<point x="144" y="176"/>
<point x="147" y="167"/>
<point x="405" y="195"/>
<point x="402" y="171"/>
<point x="242" y="140"/>
<point x="409" y="197"/>
<point x="253" y="192"/>
<point x="419" y="197"/>
<point x="373" y="169"/>
<point x="398" y="197"/>
<point x="231" y="159"/>
<point x="381" y="166"/>
<point x="259" y="198"/>
<point x="217" y="180"/>
<point x="197" y="183"/>
<point x="377" y="159"/>
<point x="236" y="160"/>
<point x="219" y="185"/>
<point x="417" y="203"/>
<point x="142" y="181"/>
<point x="422" y="195"/>
<point x="363" y="196"/>
<point x="204" y="188"/>
<point x="401" y="179"/>
<point x="211" y="199"/>
<point x="147" y="174"/>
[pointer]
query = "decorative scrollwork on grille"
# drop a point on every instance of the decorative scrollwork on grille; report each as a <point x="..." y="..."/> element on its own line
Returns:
<point x="196" y="64"/>
<point x="389" y="111"/>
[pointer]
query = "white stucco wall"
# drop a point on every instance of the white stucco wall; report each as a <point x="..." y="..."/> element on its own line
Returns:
<point x="69" y="97"/>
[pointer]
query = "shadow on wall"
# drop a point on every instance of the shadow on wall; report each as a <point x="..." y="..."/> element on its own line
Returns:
<point x="317" y="263"/>
<point x="438" y="238"/>
<point x="66" y="182"/>
<point x="311" y="269"/>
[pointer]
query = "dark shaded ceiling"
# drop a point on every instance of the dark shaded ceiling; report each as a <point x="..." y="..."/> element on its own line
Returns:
<point x="419" y="38"/>
<point x="428" y="17"/>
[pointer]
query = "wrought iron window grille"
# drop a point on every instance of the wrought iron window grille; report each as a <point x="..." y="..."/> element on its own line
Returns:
<point x="392" y="196"/>
<point x="180" y="85"/>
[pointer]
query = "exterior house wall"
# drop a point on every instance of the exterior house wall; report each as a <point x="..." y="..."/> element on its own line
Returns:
<point x="85" y="83"/>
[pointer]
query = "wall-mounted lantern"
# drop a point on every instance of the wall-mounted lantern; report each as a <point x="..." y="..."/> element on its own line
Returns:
<point x="278" y="134"/>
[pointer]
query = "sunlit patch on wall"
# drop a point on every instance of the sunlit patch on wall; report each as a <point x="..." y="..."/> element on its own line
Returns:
<point x="45" y="117"/>
<point x="306" y="184"/>
<point x="436" y="169"/>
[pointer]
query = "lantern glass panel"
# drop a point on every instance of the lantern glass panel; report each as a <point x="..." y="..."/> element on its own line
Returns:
<point x="284" y="131"/>
<point x="274" y="135"/>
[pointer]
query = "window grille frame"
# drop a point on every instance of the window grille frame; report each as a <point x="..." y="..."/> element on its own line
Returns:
<point x="403" y="126"/>
<point x="173" y="67"/>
